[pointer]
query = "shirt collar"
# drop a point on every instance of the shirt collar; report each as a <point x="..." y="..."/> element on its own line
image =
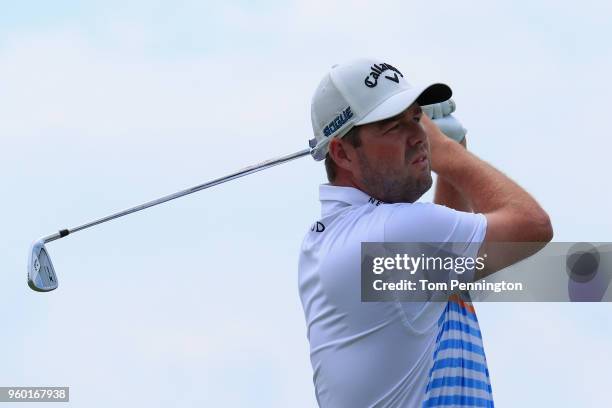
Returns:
<point x="334" y="198"/>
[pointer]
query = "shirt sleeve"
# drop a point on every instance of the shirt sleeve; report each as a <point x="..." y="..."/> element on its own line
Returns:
<point x="427" y="223"/>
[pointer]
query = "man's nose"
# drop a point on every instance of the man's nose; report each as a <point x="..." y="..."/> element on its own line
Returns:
<point x="417" y="135"/>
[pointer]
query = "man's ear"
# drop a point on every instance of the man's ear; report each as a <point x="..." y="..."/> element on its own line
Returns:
<point x="342" y="153"/>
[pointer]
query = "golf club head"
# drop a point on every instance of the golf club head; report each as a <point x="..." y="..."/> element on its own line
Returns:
<point x="41" y="275"/>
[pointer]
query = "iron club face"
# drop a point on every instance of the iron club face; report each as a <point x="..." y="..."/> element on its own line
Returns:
<point x="41" y="275"/>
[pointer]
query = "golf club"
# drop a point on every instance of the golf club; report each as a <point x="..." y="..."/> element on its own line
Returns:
<point x="41" y="274"/>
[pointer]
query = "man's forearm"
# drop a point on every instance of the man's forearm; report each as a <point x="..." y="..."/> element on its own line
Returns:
<point x="449" y="196"/>
<point x="491" y="192"/>
<point x="486" y="188"/>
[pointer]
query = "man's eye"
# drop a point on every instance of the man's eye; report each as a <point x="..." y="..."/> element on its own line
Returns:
<point x="394" y="127"/>
<point x="417" y="119"/>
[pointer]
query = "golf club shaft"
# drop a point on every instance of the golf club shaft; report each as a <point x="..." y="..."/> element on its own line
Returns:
<point x="243" y="172"/>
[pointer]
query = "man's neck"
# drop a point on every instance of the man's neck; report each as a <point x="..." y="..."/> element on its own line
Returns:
<point x="342" y="180"/>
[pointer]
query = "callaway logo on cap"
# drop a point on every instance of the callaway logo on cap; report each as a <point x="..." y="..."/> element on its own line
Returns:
<point x="363" y="91"/>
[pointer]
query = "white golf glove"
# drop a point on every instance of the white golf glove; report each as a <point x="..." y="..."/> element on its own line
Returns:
<point x="440" y="114"/>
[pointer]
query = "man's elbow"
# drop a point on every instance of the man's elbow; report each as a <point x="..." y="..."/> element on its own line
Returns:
<point x="541" y="227"/>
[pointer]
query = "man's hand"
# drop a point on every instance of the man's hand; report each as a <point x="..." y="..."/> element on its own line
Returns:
<point x="438" y="110"/>
<point x="441" y="114"/>
<point x="451" y="127"/>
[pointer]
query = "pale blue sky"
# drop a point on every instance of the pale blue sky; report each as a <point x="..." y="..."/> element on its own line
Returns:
<point x="104" y="105"/>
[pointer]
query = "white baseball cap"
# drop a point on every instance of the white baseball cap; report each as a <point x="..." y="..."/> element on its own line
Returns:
<point x="363" y="91"/>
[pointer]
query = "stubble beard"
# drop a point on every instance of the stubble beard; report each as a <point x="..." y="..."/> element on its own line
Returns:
<point x="391" y="187"/>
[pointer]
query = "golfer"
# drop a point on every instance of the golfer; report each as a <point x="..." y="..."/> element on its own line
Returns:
<point x="379" y="150"/>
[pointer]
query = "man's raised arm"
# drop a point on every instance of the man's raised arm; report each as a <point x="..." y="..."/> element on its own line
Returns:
<point x="513" y="215"/>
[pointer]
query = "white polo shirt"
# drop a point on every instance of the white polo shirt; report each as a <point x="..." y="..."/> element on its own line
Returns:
<point x="387" y="354"/>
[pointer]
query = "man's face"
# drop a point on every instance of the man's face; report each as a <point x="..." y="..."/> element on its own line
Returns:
<point x="392" y="163"/>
